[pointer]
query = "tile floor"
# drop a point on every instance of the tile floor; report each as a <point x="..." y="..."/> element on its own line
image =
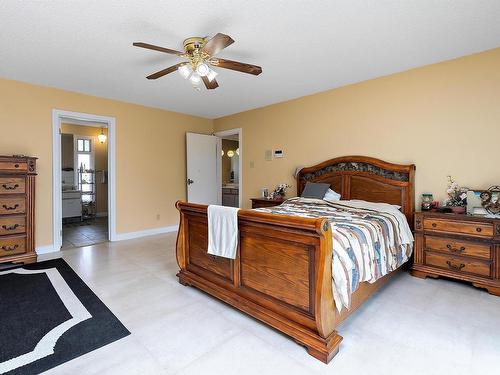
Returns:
<point x="78" y="234"/>
<point x="411" y="326"/>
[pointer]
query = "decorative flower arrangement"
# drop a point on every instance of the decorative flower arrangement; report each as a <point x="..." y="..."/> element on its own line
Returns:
<point x="457" y="196"/>
<point x="280" y="190"/>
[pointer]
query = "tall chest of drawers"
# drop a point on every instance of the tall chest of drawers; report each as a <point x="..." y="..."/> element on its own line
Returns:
<point x="17" y="209"/>
<point x="458" y="246"/>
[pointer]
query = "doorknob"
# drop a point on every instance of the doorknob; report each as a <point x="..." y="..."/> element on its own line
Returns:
<point x="190" y="181"/>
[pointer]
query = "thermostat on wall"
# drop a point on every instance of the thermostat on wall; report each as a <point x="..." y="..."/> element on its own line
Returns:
<point x="278" y="153"/>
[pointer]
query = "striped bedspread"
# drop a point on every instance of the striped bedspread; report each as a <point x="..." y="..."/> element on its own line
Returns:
<point x="369" y="240"/>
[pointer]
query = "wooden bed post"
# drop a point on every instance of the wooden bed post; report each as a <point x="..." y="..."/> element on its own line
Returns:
<point x="325" y="319"/>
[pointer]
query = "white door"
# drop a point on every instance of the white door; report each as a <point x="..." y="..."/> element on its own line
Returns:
<point x="202" y="175"/>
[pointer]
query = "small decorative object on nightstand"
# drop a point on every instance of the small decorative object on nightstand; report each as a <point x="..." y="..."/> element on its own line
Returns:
<point x="490" y="200"/>
<point x="458" y="246"/>
<point x="280" y="191"/>
<point x="457" y="197"/>
<point x="427" y="201"/>
<point x="264" y="202"/>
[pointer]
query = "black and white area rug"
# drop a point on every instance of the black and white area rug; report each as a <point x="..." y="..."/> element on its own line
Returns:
<point x="49" y="316"/>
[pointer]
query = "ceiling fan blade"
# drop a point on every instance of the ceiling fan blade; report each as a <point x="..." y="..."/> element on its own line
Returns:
<point x="217" y="44"/>
<point x="164" y="72"/>
<point x="210" y="85"/>
<point x="238" y="66"/>
<point x="157" y="48"/>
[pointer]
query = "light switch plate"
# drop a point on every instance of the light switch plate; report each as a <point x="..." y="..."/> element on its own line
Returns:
<point x="269" y="155"/>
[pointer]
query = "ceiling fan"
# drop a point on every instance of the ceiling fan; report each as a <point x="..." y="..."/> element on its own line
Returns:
<point x="200" y="54"/>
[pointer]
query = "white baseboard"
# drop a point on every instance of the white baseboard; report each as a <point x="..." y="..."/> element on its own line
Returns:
<point x="144" y="233"/>
<point x="46" y="249"/>
<point x="119" y="237"/>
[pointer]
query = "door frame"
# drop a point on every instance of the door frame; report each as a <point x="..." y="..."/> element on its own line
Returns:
<point x="85" y="119"/>
<point x="220" y="135"/>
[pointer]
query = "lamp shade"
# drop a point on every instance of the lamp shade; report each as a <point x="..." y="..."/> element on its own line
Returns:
<point x="211" y="75"/>
<point x="195" y="78"/>
<point x="102" y="137"/>
<point x="184" y="70"/>
<point x="202" y="69"/>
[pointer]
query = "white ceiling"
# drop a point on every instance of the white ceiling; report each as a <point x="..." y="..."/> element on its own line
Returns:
<point x="303" y="46"/>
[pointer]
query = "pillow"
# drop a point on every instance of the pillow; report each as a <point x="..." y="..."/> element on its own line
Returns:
<point x="315" y="190"/>
<point x="331" y="196"/>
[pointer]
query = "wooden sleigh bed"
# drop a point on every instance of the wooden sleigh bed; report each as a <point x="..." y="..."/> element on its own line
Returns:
<point x="282" y="274"/>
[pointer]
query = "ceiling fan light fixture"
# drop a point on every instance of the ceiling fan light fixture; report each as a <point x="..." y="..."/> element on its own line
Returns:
<point x="211" y="75"/>
<point x="195" y="78"/>
<point x="199" y="53"/>
<point x="202" y="69"/>
<point x="102" y="137"/>
<point x="185" y="71"/>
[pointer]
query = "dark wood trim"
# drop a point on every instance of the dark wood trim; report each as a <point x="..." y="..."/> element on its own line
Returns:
<point x="264" y="202"/>
<point x="348" y="175"/>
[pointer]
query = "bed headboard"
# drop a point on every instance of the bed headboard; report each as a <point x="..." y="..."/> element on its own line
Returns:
<point x="365" y="178"/>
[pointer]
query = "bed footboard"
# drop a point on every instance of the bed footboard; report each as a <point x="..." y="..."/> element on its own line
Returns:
<point x="281" y="274"/>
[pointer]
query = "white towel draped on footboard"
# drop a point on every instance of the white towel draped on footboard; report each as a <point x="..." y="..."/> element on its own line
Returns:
<point x="222" y="231"/>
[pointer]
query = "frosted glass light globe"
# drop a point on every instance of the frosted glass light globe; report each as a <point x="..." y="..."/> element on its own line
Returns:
<point x="184" y="71"/>
<point x="202" y="69"/>
<point x="211" y="75"/>
<point x="195" y="78"/>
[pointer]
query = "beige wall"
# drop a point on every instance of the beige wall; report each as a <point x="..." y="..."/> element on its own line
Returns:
<point x="150" y="152"/>
<point x="445" y="118"/>
<point x="100" y="159"/>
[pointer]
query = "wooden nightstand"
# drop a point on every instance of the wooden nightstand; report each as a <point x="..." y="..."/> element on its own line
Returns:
<point x="264" y="202"/>
<point x="462" y="247"/>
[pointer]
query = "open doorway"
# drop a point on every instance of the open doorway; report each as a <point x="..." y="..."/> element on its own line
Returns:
<point x="84" y="180"/>
<point x="84" y="175"/>
<point x="230" y="172"/>
<point x="213" y="168"/>
<point x="230" y="167"/>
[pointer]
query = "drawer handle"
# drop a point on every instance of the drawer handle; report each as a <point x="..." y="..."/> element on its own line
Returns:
<point x="7" y="187"/>
<point x="455" y="249"/>
<point x="418" y="223"/>
<point x="10" y="208"/>
<point x="11" y="227"/>
<point x="10" y="248"/>
<point x="16" y="165"/>
<point x="478" y="230"/>
<point x="455" y="266"/>
<point x="434" y="225"/>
